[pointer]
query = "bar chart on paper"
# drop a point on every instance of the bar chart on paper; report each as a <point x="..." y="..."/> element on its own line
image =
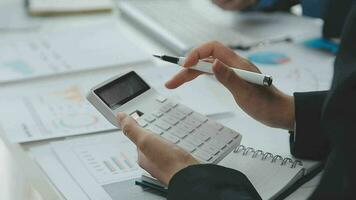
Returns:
<point x="107" y="158"/>
<point x="113" y="162"/>
<point x="101" y="165"/>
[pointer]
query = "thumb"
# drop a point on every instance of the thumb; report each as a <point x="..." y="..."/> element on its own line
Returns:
<point x="227" y="76"/>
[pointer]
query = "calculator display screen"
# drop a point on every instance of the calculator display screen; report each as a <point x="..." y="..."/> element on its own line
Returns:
<point x="122" y="90"/>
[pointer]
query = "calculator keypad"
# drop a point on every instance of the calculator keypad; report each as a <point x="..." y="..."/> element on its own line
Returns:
<point x="197" y="134"/>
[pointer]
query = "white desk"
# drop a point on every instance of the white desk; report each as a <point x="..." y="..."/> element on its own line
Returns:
<point x="24" y="172"/>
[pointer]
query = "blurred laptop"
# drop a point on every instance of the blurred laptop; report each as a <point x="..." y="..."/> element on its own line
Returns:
<point x="184" y="24"/>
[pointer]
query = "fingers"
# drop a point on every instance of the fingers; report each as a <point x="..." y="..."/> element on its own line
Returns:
<point x="213" y="50"/>
<point x="227" y="77"/>
<point x="182" y="77"/>
<point x="131" y="129"/>
<point x="209" y="51"/>
<point x="146" y="142"/>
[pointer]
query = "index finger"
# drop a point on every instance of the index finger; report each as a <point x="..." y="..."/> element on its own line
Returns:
<point x="213" y="50"/>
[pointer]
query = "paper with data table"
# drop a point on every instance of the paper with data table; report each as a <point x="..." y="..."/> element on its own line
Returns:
<point x="55" y="111"/>
<point x="104" y="166"/>
<point x="66" y="51"/>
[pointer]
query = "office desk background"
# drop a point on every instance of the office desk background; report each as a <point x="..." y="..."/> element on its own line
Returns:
<point x="21" y="178"/>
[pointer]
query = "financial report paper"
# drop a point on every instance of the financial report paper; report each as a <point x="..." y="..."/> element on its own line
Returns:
<point x="66" y="51"/>
<point x="59" y="109"/>
<point x="105" y="167"/>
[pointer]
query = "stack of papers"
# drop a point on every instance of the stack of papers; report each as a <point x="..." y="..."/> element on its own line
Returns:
<point x="94" y="167"/>
<point x="294" y="67"/>
<point x="43" y="7"/>
<point x="57" y="109"/>
<point x="67" y="51"/>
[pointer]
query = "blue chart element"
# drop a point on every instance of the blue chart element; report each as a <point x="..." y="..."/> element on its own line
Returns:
<point x="269" y="58"/>
<point x="18" y="66"/>
<point x="322" y="44"/>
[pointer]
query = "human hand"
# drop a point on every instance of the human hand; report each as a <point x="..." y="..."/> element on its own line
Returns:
<point x="161" y="158"/>
<point x="265" y="104"/>
<point x="234" y="4"/>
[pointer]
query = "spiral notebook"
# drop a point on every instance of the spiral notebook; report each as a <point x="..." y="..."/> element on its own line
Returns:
<point x="273" y="176"/>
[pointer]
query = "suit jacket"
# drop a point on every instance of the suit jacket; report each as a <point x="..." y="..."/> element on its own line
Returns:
<point x="325" y="131"/>
<point x="333" y="12"/>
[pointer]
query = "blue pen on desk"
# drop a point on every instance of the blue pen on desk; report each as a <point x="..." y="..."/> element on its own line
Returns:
<point x="151" y="186"/>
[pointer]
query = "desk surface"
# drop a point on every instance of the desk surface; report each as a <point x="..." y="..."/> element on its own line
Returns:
<point x="17" y="181"/>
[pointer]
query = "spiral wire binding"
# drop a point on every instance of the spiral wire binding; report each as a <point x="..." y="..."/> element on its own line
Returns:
<point x="266" y="155"/>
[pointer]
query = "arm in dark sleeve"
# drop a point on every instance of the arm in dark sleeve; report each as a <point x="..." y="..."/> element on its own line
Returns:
<point x="210" y="182"/>
<point x="274" y="5"/>
<point x="308" y="140"/>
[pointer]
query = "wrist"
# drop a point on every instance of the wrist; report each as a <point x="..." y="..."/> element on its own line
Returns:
<point x="285" y="116"/>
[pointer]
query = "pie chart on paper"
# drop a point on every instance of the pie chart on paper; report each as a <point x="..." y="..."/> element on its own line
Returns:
<point x="269" y="58"/>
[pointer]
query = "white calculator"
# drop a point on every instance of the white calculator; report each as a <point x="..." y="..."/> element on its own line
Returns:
<point x="207" y="140"/>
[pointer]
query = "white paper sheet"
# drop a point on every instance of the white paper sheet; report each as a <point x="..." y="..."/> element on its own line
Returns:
<point x="57" y="110"/>
<point x="62" y="52"/>
<point x="306" y="70"/>
<point x="56" y="172"/>
<point x="13" y="17"/>
<point x="104" y="166"/>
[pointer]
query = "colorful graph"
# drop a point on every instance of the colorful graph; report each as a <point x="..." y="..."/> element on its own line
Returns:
<point x="18" y="66"/>
<point x="269" y="58"/>
<point x="72" y="93"/>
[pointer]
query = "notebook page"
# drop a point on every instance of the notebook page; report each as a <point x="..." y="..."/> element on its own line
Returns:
<point x="268" y="178"/>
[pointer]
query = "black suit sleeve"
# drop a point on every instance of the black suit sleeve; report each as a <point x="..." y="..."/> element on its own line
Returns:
<point x="210" y="182"/>
<point x="274" y="5"/>
<point x="308" y="140"/>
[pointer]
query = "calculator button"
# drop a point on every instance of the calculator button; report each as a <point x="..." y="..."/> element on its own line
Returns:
<point x="177" y="114"/>
<point x="202" y="155"/>
<point x="157" y="113"/>
<point x="214" y="125"/>
<point x="216" y="143"/>
<point x="155" y="129"/>
<point x="202" y="135"/>
<point x="163" y="125"/>
<point x="191" y="122"/>
<point x="178" y="132"/>
<point x="194" y="140"/>
<point x="161" y="99"/>
<point x="198" y="117"/>
<point x="184" y="127"/>
<point x="206" y="132"/>
<point x="226" y="132"/>
<point x="185" y="110"/>
<point x="165" y="108"/>
<point x="170" y="120"/>
<point x="210" y="149"/>
<point x="186" y="146"/>
<point x="142" y="122"/>
<point x="171" y="138"/>
<point x="173" y="104"/>
<point x="149" y="118"/>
